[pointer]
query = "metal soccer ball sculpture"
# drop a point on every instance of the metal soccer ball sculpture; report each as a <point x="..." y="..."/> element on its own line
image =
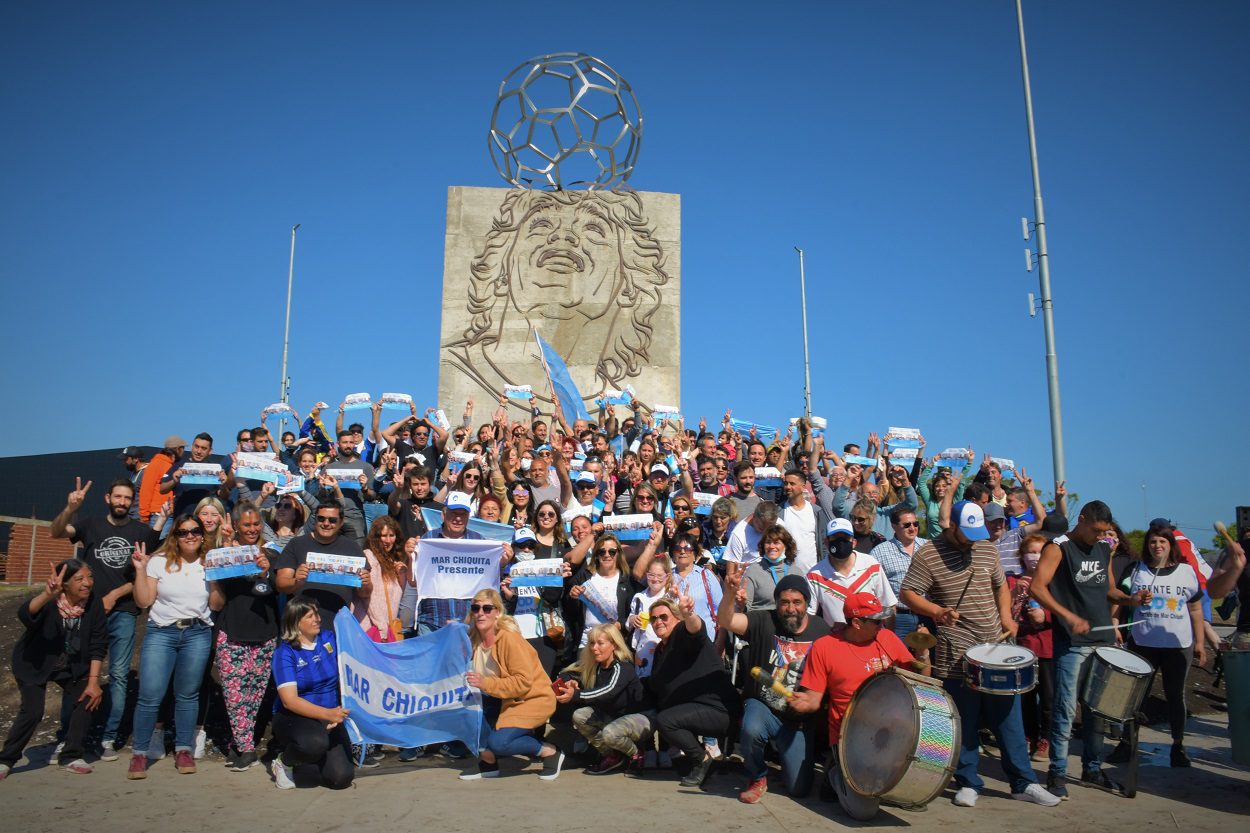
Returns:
<point x="565" y="120"/>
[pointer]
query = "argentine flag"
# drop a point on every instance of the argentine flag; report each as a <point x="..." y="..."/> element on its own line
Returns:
<point x="409" y="693"/>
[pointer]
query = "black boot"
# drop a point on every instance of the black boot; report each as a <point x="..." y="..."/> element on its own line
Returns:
<point x="698" y="774"/>
<point x="1179" y="758"/>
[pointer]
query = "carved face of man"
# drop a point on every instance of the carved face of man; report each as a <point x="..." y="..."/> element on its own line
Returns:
<point x="565" y="261"/>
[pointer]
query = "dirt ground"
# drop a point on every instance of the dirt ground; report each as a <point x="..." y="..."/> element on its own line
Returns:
<point x="427" y="795"/>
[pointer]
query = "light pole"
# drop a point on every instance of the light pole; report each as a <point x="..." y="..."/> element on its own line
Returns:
<point x="1043" y="262"/>
<point x="285" y="387"/>
<point x="807" y="370"/>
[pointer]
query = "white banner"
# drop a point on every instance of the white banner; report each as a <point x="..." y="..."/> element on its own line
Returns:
<point x="456" y="568"/>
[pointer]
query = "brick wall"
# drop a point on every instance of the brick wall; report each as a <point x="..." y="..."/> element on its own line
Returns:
<point x="48" y="551"/>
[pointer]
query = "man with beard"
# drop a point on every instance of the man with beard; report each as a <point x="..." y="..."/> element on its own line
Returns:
<point x="845" y="571"/>
<point x="838" y="665"/>
<point x="353" y="498"/>
<point x="106" y="547"/>
<point x="777" y="643"/>
<point x="291" y="573"/>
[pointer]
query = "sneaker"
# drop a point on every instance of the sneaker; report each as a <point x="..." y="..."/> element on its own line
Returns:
<point x="367" y="762"/>
<point x="1038" y="795"/>
<point x="410" y="754"/>
<point x="243" y="761"/>
<point x="637" y="764"/>
<point x="965" y="797"/>
<point x="1179" y="756"/>
<point x="138" y="768"/>
<point x="1041" y="750"/>
<point x="108" y="751"/>
<point x="454" y="750"/>
<point x="5" y="769"/>
<point x="610" y="762"/>
<point x="484" y="770"/>
<point x="79" y="767"/>
<point x="184" y="761"/>
<point x="282" y="774"/>
<point x="552" y="764"/>
<point x="201" y="744"/>
<point x="698" y="774"/>
<point x="1057" y="785"/>
<point x="156" y="749"/>
<point x="754" y="791"/>
<point x="376" y="752"/>
<point x="1098" y="779"/>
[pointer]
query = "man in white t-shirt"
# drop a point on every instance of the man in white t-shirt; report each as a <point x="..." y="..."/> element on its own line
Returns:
<point x="844" y="572"/>
<point x="804" y="520"/>
<point x="744" y="539"/>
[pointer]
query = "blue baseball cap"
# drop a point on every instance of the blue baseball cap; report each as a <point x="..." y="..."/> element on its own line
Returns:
<point x="971" y="519"/>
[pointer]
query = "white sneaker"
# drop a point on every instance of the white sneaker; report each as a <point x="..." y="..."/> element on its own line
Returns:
<point x="108" y="751"/>
<point x="1038" y="795"/>
<point x="201" y="744"/>
<point x="5" y="769"/>
<point x="156" y="749"/>
<point x="965" y="797"/>
<point x="282" y="774"/>
<point x="59" y="747"/>
<point x="79" y="767"/>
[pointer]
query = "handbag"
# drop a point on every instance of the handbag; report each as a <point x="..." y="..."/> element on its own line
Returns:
<point x="396" y="625"/>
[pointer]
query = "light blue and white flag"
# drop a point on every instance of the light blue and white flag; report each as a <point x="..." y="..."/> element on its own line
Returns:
<point x="562" y="383"/>
<point x="764" y="433"/>
<point x="489" y="530"/>
<point x="518" y="391"/>
<point x="355" y="401"/>
<point x="410" y="693"/>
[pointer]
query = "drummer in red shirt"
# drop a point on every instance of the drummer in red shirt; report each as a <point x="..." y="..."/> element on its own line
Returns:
<point x="838" y="664"/>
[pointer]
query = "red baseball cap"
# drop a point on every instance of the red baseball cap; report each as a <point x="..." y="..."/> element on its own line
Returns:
<point x="862" y="606"/>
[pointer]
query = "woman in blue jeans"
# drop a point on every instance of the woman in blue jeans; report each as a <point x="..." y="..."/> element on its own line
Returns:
<point x="177" y="641"/>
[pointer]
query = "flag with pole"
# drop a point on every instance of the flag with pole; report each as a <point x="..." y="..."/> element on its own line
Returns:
<point x="562" y="386"/>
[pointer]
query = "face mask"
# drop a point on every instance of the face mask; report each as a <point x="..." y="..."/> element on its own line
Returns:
<point x="780" y="558"/>
<point x="841" y="548"/>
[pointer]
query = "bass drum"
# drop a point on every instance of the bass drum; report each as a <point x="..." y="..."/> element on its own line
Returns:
<point x="900" y="738"/>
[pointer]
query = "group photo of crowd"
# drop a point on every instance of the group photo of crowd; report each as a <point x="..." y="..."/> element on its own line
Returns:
<point x="864" y="622"/>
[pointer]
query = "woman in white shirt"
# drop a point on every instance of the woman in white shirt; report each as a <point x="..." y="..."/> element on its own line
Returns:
<point x="177" y="641"/>
<point x="1168" y="631"/>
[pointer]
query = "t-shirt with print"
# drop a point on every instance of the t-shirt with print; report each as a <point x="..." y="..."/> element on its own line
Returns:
<point x="181" y="592"/>
<point x="838" y="667"/>
<point x="313" y="671"/>
<point x="1165" y="622"/>
<point x="329" y="597"/>
<point x="940" y="572"/>
<point x="779" y="654"/>
<point x="107" y="548"/>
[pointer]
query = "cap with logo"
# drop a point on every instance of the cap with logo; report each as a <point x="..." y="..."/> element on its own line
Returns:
<point x="862" y="606"/>
<point x="130" y="451"/>
<point x="586" y="477"/>
<point x="839" y="525"/>
<point x="971" y="520"/>
<point x="458" y="500"/>
<point x="660" y="468"/>
<point x="524" y="535"/>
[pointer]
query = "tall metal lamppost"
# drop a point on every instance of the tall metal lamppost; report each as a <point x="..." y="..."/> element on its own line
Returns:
<point x="285" y="388"/>
<point x="807" y="370"/>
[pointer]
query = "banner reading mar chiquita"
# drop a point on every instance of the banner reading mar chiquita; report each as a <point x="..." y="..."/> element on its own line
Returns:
<point x="409" y="693"/>
<point x="456" y="568"/>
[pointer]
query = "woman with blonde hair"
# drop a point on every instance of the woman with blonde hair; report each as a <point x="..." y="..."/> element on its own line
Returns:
<point x="604" y="689"/>
<point x="517" y="695"/>
<point x="217" y="528"/>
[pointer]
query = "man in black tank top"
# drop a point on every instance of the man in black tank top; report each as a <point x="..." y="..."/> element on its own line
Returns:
<point x="1074" y="581"/>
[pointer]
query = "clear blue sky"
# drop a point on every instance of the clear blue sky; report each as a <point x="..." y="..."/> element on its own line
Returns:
<point x="157" y="154"/>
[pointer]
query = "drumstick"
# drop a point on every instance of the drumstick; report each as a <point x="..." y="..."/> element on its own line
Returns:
<point x="972" y="572"/>
<point x="1223" y="530"/>
<point x="1110" y="627"/>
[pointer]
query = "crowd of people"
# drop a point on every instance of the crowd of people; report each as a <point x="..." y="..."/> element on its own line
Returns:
<point x="742" y="618"/>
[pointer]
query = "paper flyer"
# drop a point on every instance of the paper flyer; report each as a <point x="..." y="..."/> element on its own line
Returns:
<point x="326" y="568"/>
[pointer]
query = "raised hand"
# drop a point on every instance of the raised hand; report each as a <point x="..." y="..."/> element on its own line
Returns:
<point x="139" y="557"/>
<point x="1026" y="482"/>
<point x="685" y="604"/>
<point x="56" y="583"/>
<point x="733" y="576"/>
<point x="79" y="494"/>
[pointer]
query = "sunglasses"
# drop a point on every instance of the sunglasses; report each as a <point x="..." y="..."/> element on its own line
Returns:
<point x="606" y="551"/>
<point x="664" y="617"/>
<point x="645" y="499"/>
<point x="420" y="433"/>
<point x="678" y="507"/>
<point x="327" y="519"/>
<point x="861" y="519"/>
<point x="477" y="608"/>
<point x="546" y="514"/>
<point x="473" y="477"/>
<point x="683" y="548"/>
<point x="910" y="524"/>
<point x="189" y="533"/>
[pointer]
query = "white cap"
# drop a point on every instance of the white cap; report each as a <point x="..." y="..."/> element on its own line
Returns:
<point x="459" y="500"/>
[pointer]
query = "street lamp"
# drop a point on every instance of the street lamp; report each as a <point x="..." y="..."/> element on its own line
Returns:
<point x="807" y="370"/>
<point x="285" y="386"/>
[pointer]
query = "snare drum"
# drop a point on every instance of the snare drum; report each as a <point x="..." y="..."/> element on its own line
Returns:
<point x="904" y="746"/>
<point x="1116" y="684"/>
<point x="1000" y="668"/>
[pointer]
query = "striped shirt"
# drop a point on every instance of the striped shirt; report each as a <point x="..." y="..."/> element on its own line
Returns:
<point x="940" y="573"/>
